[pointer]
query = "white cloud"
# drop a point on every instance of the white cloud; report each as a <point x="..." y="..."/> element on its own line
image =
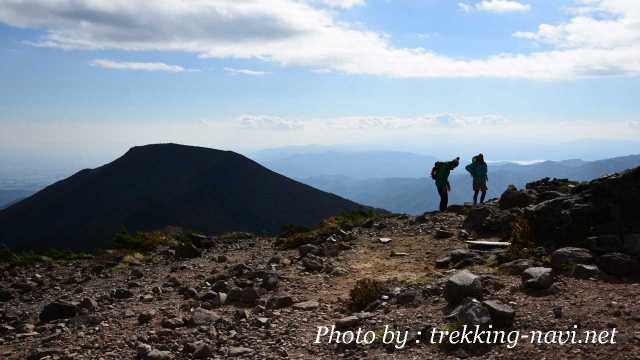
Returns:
<point x="144" y="66"/>
<point x="344" y="4"/>
<point x="266" y="122"/>
<point x="292" y="32"/>
<point x="502" y="6"/>
<point x="465" y="7"/>
<point x="248" y="72"/>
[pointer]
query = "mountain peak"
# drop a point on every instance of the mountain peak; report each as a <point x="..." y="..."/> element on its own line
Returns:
<point x="158" y="185"/>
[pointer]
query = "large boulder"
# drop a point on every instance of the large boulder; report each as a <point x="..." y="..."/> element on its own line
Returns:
<point x="618" y="264"/>
<point x="631" y="244"/>
<point x="489" y="220"/>
<point x="461" y="285"/>
<point x="537" y="278"/>
<point x="566" y="258"/>
<point x="514" y="198"/>
<point x="604" y="243"/>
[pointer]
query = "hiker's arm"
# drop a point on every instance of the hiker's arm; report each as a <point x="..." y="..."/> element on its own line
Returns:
<point x="469" y="168"/>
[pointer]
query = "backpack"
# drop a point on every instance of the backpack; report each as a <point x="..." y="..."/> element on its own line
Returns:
<point x="434" y="171"/>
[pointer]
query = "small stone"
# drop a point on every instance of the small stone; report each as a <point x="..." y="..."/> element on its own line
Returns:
<point x="89" y="304"/>
<point x="238" y="351"/>
<point x="502" y="315"/>
<point x="187" y="251"/>
<point x="202" y="316"/>
<point x="146" y="316"/>
<point x="347" y="322"/>
<point x="57" y="310"/>
<point x="398" y="254"/>
<point x="583" y="271"/>
<point x="472" y="313"/>
<point x="306" y="305"/>
<point x="557" y="312"/>
<point x="244" y="296"/>
<point x="516" y="267"/>
<point x="279" y="301"/>
<point x="443" y="234"/>
<point x="158" y="355"/>
<point x="537" y="278"/>
<point x="385" y="240"/>
<point x="202" y="351"/>
<point x="172" y="323"/>
<point x="137" y="273"/>
<point x="121" y="293"/>
<point x="143" y="349"/>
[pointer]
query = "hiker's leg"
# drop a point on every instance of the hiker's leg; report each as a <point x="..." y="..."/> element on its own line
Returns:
<point x="445" y="199"/>
<point x="475" y="197"/>
<point x="484" y="193"/>
<point x="442" y="191"/>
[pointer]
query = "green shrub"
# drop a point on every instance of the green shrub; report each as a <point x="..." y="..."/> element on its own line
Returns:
<point x="522" y="239"/>
<point x="140" y="241"/>
<point x="364" y="292"/>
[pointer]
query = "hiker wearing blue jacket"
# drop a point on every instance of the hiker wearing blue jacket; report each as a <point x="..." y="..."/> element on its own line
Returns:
<point x="478" y="170"/>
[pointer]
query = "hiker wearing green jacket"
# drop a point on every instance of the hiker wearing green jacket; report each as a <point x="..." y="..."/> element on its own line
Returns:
<point x="440" y="173"/>
<point x="478" y="170"/>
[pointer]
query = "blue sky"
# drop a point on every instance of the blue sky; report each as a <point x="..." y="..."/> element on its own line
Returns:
<point x="251" y="74"/>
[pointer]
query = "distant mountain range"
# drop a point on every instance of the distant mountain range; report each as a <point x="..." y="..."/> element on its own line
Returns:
<point x="417" y="195"/>
<point x="355" y="165"/>
<point x="166" y="184"/>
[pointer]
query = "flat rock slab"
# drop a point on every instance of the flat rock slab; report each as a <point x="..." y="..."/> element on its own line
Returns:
<point x="306" y="305"/>
<point x="488" y="243"/>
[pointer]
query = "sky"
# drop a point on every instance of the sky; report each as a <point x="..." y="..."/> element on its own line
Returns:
<point x="99" y="76"/>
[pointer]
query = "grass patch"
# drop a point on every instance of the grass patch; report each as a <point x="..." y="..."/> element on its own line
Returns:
<point x="140" y="241"/>
<point x="13" y="258"/>
<point x="293" y="236"/>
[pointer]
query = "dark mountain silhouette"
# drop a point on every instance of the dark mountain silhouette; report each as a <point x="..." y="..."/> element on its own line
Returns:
<point x="165" y="184"/>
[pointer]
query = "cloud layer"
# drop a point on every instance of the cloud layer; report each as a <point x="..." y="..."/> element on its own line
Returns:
<point x="247" y="72"/>
<point x="143" y="66"/>
<point x="496" y="6"/>
<point x="602" y="39"/>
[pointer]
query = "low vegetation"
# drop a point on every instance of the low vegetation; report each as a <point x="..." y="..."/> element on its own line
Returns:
<point x="364" y="292"/>
<point x="294" y="236"/>
<point x="11" y="258"/>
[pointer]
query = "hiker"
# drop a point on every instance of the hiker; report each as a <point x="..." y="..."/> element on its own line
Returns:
<point x="440" y="173"/>
<point x="478" y="170"/>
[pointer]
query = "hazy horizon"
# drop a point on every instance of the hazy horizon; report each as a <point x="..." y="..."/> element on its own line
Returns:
<point x="86" y="80"/>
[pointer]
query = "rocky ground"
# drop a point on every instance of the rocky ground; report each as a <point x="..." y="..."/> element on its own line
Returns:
<point x="242" y="296"/>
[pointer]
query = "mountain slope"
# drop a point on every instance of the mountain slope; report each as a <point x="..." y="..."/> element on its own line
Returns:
<point x="166" y="184"/>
